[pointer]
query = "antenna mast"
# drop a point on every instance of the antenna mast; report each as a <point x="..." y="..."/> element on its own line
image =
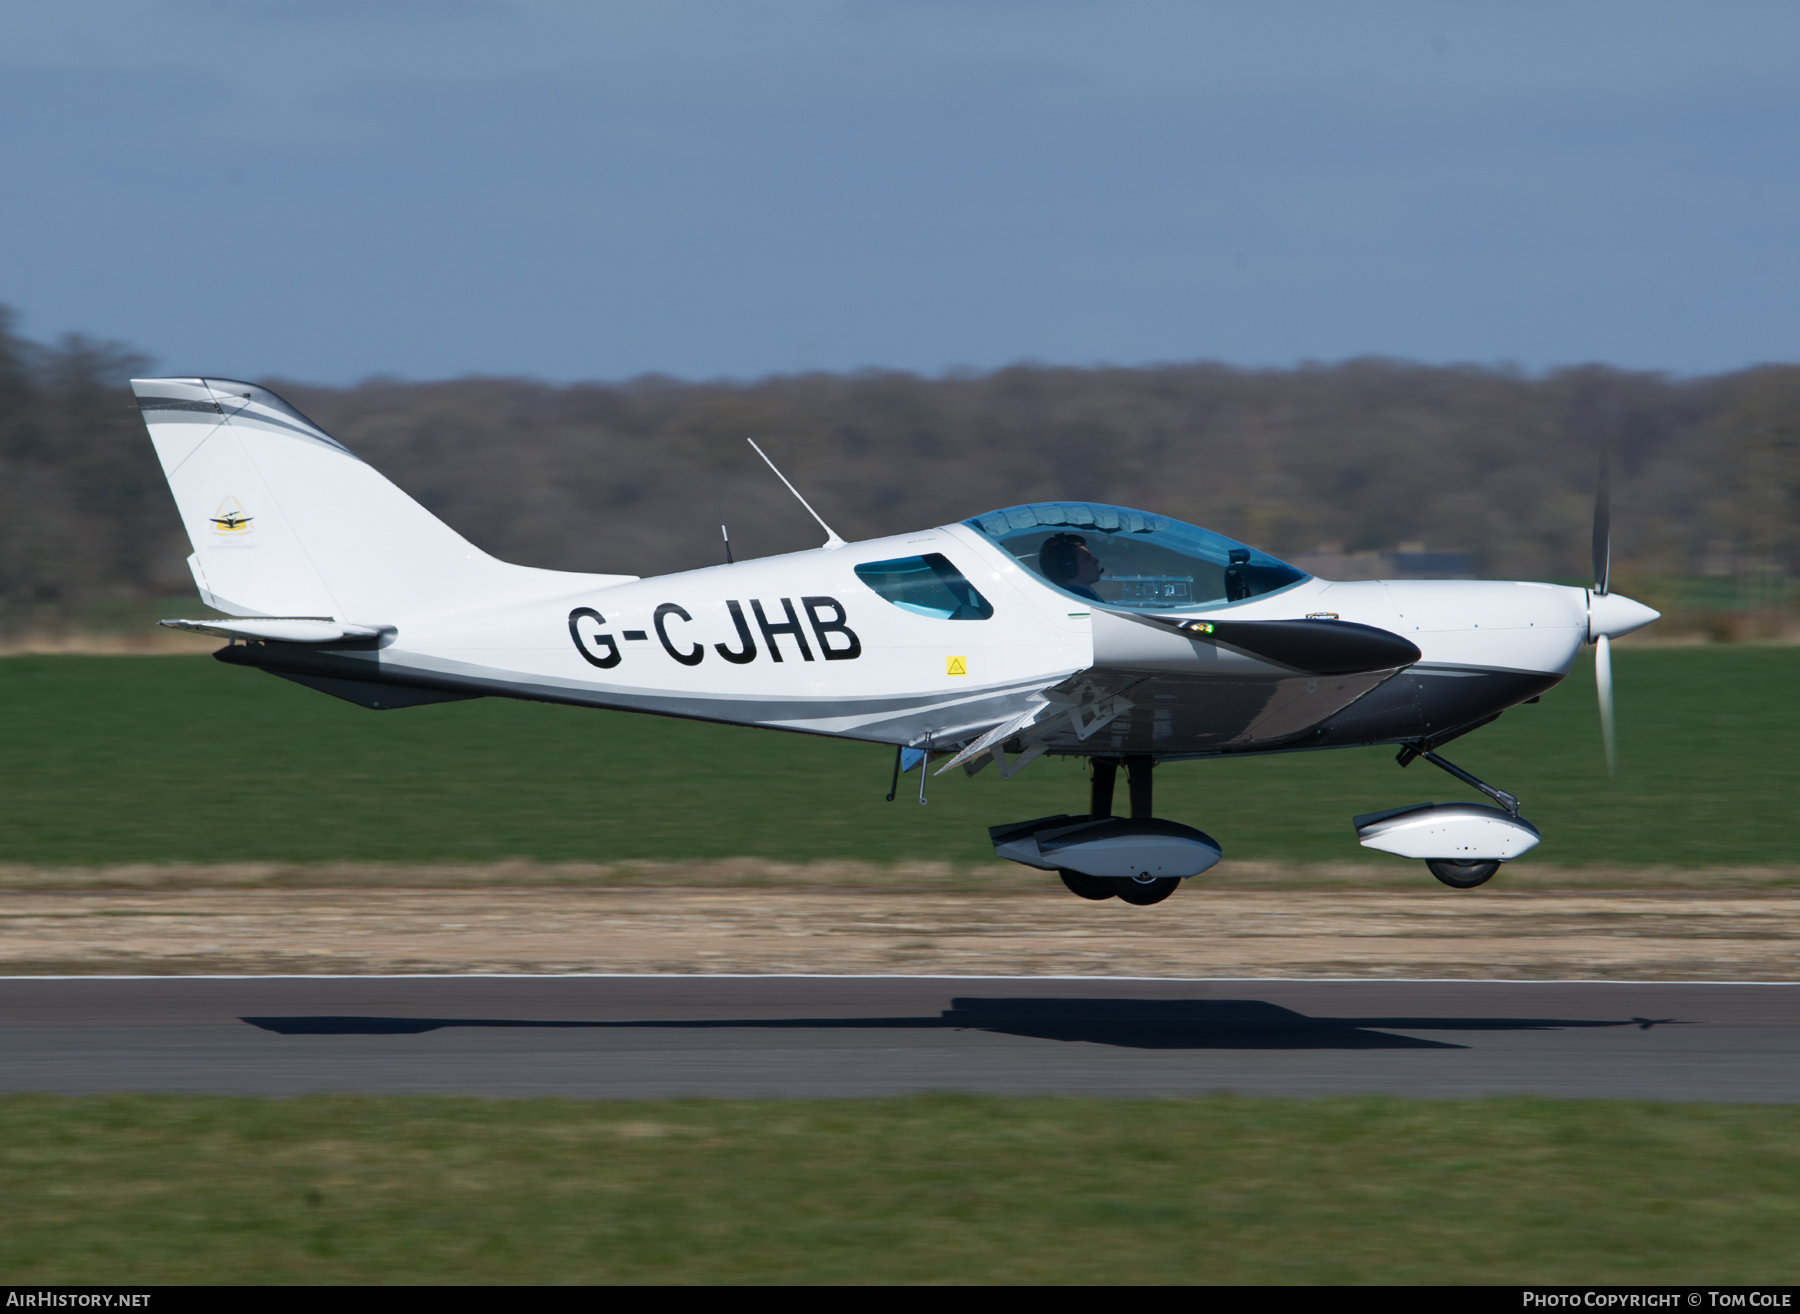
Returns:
<point x="831" y="537"/>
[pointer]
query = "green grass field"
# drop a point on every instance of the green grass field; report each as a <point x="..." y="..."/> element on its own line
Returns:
<point x="164" y="759"/>
<point x="141" y="1189"/>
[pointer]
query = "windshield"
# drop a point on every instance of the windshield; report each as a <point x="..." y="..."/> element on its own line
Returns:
<point x="1124" y="558"/>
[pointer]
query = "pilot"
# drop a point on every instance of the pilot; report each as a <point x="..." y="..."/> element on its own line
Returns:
<point x="1067" y="563"/>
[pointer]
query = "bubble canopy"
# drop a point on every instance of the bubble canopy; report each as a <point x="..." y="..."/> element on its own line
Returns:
<point x="1145" y="562"/>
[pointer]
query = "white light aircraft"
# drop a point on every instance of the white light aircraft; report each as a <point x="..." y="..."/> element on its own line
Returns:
<point x="1063" y="628"/>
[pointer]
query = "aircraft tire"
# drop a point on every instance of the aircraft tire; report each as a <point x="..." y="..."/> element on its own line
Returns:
<point x="1144" y="893"/>
<point x="1088" y="887"/>
<point x="1462" y="875"/>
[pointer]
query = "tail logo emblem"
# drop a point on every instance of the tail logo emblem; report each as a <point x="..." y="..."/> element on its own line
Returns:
<point x="230" y="519"/>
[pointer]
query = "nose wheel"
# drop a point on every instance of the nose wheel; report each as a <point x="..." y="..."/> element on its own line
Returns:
<point x="1462" y="875"/>
<point x="1466" y="874"/>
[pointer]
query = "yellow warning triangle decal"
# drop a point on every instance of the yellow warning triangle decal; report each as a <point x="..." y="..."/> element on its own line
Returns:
<point x="956" y="666"/>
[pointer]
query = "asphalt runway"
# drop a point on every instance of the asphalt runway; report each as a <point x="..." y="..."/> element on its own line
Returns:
<point x="640" y="1036"/>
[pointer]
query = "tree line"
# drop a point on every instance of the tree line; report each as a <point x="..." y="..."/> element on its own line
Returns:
<point x="636" y="477"/>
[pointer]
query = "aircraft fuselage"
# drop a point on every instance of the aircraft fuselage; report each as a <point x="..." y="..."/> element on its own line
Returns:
<point x="800" y="642"/>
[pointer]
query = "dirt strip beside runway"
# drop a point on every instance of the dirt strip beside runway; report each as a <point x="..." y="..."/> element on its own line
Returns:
<point x="1749" y="936"/>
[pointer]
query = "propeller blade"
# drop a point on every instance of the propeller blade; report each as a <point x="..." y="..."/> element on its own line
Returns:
<point x="1603" y="523"/>
<point x="1603" y="682"/>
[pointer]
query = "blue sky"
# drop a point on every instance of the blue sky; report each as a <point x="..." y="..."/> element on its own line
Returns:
<point x="338" y="188"/>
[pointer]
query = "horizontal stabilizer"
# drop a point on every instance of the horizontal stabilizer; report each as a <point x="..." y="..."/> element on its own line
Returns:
<point x="376" y="697"/>
<point x="303" y="629"/>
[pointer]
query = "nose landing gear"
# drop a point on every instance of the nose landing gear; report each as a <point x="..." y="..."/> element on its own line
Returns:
<point x="1462" y="844"/>
<point x="1462" y="875"/>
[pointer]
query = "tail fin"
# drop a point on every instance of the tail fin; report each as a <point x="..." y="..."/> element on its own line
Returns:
<point x="286" y="521"/>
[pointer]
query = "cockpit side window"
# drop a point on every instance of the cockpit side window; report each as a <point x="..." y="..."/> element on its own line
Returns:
<point x="1128" y="559"/>
<point x="926" y="586"/>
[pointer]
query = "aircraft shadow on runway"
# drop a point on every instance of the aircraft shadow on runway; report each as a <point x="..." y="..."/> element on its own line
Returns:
<point x="1131" y="1023"/>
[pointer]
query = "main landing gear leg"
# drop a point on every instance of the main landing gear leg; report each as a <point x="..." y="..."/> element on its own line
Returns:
<point x="1142" y="790"/>
<point x="1460" y="875"/>
<point x="1143" y="890"/>
<point x="1103" y="774"/>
